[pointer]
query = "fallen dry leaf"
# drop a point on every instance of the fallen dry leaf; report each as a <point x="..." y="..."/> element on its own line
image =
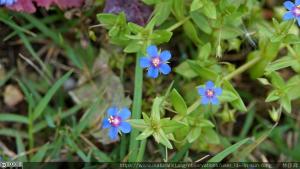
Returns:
<point x="12" y="95"/>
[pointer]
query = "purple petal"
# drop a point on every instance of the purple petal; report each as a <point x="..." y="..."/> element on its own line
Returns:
<point x="152" y="50"/>
<point x="288" y="5"/>
<point x="152" y="72"/>
<point x="218" y="91"/>
<point x="209" y="85"/>
<point x="145" y="62"/>
<point x="205" y="100"/>
<point x="105" y="123"/>
<point x="112" y="111"/>
<point x="297" y="2"/>
<point x="164" y="69"/>
<point x="288" y="16"/>
<point x="214" y="101"/>
<point x="165" y="55"/>
<point x="124" y="113"/>
<point x="125" y="127"/>
<point x="113" y="133"/>
<point x="201" y="91"/>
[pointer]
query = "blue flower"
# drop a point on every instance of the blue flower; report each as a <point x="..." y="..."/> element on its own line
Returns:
<point x="7" y="2"/>
<point x="156" y="62"/>
<point x="116" y="121"/>
<point x="294" y="10"/>
<point x="210" y="93"/>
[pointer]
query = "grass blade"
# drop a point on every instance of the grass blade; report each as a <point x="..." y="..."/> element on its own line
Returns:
<point x="220" y="156"/>
<point x="5" y="117"/>
<point x="46" y="99"/>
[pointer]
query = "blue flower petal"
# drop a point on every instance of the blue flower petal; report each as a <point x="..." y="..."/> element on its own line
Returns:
<point x="297" y="2"/>
<point x="214" y="101"/>
<point x="124" y="113"/>
<point x="105" y="123"/>
<point x="298" y="21"/>
<point x="152" y="72"/>
<point x="125" y="127"/>
<point x="152" y="50"/>
<point x="113" y="133"/>
<point x="288" y="16"/>
<point x="2" y="2"/>
<point x="288" y="5"/>
<point x="165" y="55"/>
<point x="201" y="91"/>
<point x="218" y="91"/>
<point x="112" y="111"/>
<point x="145" y="62"/>
<point x="209" y="85"/>
<point x="205" y="100"/>
<point x="164" y="69"/>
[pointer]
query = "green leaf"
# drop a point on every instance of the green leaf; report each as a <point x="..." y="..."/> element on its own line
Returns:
<point x="228" y="96"/>
<point x="170" y="126"/>
<point x="211" y="136"/>
<point x="135" y="28"/>
<point x="273" y="96"/>
<point x="196" y="4"/>
<point x="155" y="112"/>
<point x="280" y="64"/>
<point x="146" y="133"/>
<point x="178" y="102"/>
<point x="161" y="36"/>
<point x="277" y="80"/>
<point x="163" y="139"/>
<point x="286" y="103"/>
<point x="133" y="47"/>
<point x="193" y="134"/>
<point x="220" y="156"/>
<point x="210" y="10"/>
<point x="107" y="19"/>
<point x="205" y="51"/>
<point x="201" y="22"/>
<point x="204" y="123"/>
<point x="191" y="32"/>
<point x="238" y="103"/>
<point x="46" y="99"/>
<point x="185" y="70"/>
<point x="138" y="124"/>
<point x="162" y="12"/>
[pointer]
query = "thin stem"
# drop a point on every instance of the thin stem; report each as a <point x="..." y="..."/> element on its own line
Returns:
<point x="166" y="160"/>
<point x="178" y="24"/>
<point x="141" y="151"/>
<point x="123" y="147"/>
<point x="136" y="109"/>
<point x="242" y="68"/>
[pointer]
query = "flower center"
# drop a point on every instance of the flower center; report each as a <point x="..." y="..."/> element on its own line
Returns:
<point x="114" y="120"/>
<point x="210" y="93"/>
<point x="296" y="10"/>
<point x="156" y="61"/>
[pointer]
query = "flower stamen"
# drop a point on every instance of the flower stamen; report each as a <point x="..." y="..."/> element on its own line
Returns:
<point x="156" y="61"/>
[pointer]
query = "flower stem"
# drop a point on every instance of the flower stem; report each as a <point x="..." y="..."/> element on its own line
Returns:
<point x="178" y="24"/>
<point x="136" y="109"/>
<point x="141" y="150"/>
<point x="242" y="68"/>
